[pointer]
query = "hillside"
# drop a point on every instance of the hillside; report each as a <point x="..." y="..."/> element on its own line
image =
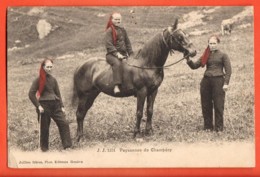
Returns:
<point x="81" y="29"/>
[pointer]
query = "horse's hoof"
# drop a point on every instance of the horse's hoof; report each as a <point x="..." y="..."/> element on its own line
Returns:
<point x="79" y="138"/>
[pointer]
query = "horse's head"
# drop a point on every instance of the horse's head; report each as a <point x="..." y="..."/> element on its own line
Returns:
<point x="178" y="40"/>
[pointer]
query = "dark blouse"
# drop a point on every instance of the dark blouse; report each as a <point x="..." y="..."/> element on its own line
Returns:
<point x="51" y="91"/>
<point x="123" y="44"/>
<point x="218" y="64"/>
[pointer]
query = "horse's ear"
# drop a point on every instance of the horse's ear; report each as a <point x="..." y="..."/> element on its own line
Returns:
<point x="175" y="25"/>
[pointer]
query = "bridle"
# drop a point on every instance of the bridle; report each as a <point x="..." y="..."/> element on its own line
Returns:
<point x="172" y="37"/>
<point x="171" y="52"/>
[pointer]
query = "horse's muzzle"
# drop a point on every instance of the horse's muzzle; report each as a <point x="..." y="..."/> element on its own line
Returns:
<point x="190" y="53"/>
<point x="193" y="53"/>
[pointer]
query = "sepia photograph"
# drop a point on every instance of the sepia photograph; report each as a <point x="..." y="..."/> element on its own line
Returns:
<point x="130" y="87"/>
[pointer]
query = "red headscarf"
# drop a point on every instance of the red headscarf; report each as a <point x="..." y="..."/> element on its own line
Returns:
<point x="205" y="56"/>
<point x="110" y="24"/>
<point x="42" y="77"/>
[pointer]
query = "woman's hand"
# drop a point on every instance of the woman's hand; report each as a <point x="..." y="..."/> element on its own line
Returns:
<point x="63" y="109"/>
<point x="120" y="56"/>
<point x="40" y="108"/>
<point x="225" y="87"/>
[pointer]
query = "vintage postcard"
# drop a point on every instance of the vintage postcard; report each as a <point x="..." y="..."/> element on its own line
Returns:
<point x="116" y="130"/>
<point x="95" y="87"/>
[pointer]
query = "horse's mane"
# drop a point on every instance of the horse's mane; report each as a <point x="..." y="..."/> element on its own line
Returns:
<point x="151" y="50"/>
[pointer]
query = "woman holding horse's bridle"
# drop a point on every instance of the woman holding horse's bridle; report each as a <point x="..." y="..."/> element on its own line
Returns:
<point x="214" y="84"/>
<point x="118" y="47"/>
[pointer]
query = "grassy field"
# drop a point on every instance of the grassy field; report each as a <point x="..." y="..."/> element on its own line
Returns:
<point x="177" y="113"/>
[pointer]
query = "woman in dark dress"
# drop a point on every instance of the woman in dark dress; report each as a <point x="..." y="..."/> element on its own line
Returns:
<point x="45" y="95"/>
<point x="214" y="84"/>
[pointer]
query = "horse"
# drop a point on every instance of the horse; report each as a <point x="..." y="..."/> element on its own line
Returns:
<point x="142" y="76"/>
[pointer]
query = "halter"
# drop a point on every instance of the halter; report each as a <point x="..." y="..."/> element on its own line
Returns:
<point x="164" y="41"/>
<point x="171" y="35"/>
<point x="171" y="51"/>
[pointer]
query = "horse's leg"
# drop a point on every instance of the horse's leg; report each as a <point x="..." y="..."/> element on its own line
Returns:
<point x="85" y="103"/>
<point x="81" y="113"/>
<point x="150" y="102"/>
<point x="141" y="95"/>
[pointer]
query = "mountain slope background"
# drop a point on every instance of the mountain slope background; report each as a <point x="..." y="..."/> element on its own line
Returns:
<point x="78" y="29"/>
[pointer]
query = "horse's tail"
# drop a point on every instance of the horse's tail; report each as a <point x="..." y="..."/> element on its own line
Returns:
<point x="74" y="98"/>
